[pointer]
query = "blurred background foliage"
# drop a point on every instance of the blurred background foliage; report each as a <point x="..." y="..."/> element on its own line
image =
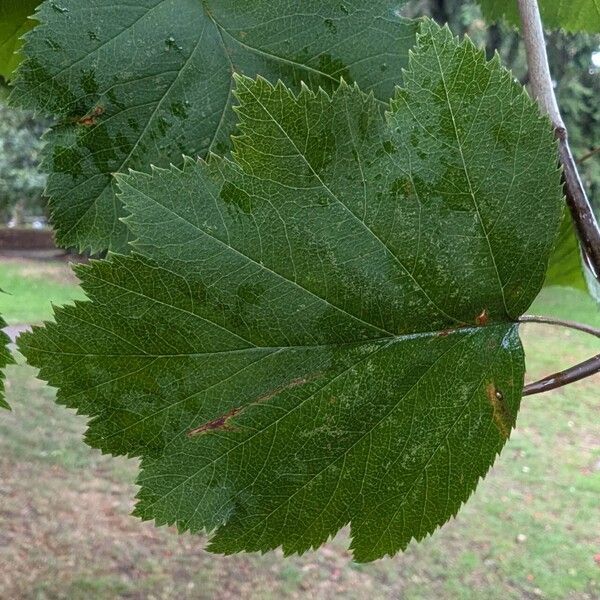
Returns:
<point x="22" y="182"/>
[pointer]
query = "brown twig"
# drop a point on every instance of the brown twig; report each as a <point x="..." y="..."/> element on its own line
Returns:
<point x="581" y="371"/>
<point x="588" y="155"/>
<point x="570" y="375"/>
<point x="561" y="323"/>
<point x="543" y="90"/>
<point x="583" y="216"/>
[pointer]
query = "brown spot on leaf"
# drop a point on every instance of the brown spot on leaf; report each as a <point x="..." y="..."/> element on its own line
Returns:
<point x="482" y="318"/>
<point x="92" y="117"/>
<point x="292" y="384"/>
<point x="219" y="423"/>
<point x="222" y="421"/>
<point x="502" y="416"/>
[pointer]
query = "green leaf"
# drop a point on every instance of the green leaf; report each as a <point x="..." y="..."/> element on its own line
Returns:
<point x="565" y="267"/>
<point x="148" y="81"/>
<point x="593" y="285"/>
<point x="321" y="330"/>
<point x="570" y="15"/>
<point x="14" y="23"/>
<point x="5" y="359"/>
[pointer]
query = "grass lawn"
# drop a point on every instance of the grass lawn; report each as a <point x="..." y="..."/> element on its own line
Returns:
<point x="32" y="287"/>
<point x="530" y="530"/>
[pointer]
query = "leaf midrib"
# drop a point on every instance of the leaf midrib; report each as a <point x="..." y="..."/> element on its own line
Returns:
<point x="467" y="175"/>
<point x="391" y="338"/>
<point x="269" y="352"/>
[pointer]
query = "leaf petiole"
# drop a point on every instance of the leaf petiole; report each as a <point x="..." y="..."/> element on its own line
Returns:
<point x="576" y="373"/>
<point x="560" y="323"/>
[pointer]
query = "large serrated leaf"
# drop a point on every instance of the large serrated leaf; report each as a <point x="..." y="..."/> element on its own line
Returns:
<point x="148" y="81"/>
<point x="570" y="15"/>
<point x="14" y="23"/>
<point x="321" y="330"/>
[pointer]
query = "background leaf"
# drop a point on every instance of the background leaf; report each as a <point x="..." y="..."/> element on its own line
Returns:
<point x="565" y="267"/>
<point x="570" y="15"/>
<point x="5" y="359"/>
<point x="321" y="330"/>
<point x="145" y="82"/>
<point x="14" y="23"/>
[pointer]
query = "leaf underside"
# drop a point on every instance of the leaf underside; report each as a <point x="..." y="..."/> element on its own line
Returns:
<point x="14" y="23"/>
<point x="570" y="15"/>
<point x="140" y="83"/>
<point x="320" y="330"/>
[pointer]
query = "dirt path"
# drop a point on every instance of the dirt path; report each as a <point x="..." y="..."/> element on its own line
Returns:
<point x="14" y="331"/>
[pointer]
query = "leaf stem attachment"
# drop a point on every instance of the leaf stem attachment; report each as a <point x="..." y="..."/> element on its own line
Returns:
<point x="561" y="323"/>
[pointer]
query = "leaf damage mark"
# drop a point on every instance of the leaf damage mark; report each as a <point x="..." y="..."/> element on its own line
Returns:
<point x="502" y="417"/>
<point x="483" y="318"/>
<point x="288" y="386"/>
<point x="219" y="423"/>
<point x="222" y="422"/>
<point x="91" y="118"/>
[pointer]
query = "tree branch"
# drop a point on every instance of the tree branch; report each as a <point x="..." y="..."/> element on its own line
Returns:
<point x="561" y="323"/>
<point x="543" y="90"/>
<point x="588" y="155"/>
<point x="576" y="373"/>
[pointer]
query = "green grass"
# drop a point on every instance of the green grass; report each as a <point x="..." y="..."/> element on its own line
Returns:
<point x="567" y="303"/>
<point x="529" y="531"/>
<point x="31" y="287"/>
